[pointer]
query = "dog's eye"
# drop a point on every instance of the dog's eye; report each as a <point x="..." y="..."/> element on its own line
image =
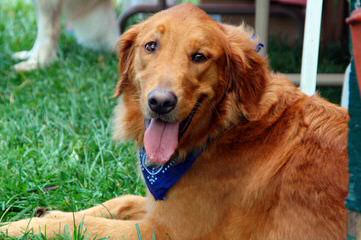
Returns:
<point x="151" y="46"/>
<point x="199" y="58"/>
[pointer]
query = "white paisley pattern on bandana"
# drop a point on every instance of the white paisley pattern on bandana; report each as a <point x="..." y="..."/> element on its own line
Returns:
<point x="160" y="179"/>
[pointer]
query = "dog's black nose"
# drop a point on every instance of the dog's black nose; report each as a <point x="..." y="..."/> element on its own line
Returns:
<point x="162" y="101"/>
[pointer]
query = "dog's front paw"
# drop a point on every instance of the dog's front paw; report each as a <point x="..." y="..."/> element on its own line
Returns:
<point x="36" y="226"/>
<point x="22" y="55"/>
<point x="16" y="229"/>
<point x="26" y="66"/>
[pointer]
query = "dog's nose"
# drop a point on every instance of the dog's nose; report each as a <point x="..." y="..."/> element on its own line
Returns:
<point x="162" y="101"/>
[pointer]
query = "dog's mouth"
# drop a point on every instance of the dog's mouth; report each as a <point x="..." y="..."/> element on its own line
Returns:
<point x="161" y="138"/>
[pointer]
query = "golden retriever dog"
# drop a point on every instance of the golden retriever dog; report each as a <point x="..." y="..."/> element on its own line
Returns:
<point x="254" y="157"/>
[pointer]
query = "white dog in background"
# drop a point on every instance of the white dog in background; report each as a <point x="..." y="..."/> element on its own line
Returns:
<point x="93" y="22"/>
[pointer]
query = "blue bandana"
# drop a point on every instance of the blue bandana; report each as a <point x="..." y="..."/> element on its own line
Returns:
<point x="160" y="179"/>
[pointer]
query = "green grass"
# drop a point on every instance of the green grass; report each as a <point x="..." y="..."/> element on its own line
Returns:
<point x="55" y="124"/>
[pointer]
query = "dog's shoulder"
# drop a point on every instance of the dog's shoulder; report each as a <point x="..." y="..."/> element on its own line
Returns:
<point x="314" y="118"/>
<point x="319" y="158"/>
<point x="326" y="123"/>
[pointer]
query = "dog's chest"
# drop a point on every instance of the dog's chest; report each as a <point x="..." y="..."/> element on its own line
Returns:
<point x="202" y="200"/>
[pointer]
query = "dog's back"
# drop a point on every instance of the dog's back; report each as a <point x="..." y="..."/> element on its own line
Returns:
<point x="296" y="180"/>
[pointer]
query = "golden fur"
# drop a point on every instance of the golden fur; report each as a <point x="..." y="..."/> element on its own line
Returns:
<point x="277" y="164"/>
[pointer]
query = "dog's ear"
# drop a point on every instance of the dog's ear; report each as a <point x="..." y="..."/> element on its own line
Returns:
<point x="246" y="70"/>
<point x="126" y="55"/>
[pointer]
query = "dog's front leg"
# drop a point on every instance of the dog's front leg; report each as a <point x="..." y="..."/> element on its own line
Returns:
<point x="45" y="47"/>
<point x="92" y="227"/>
<point x="128" y="207"/>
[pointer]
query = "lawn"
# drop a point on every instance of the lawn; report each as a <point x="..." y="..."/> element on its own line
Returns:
<point x="55" y="124"/>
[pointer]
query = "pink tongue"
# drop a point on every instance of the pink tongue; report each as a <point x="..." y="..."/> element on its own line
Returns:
<point x="161" y="140"/>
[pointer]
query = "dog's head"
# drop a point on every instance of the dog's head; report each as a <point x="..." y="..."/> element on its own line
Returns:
<point x="185" y="77"/>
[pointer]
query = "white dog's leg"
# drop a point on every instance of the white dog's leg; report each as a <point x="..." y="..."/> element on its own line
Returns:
<point x="45" y="46"/>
